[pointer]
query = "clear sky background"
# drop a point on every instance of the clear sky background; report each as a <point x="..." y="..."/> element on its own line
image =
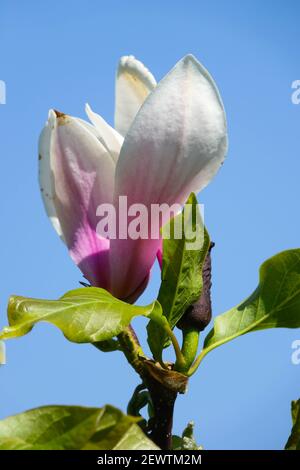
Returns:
<point x="64" y="53"/>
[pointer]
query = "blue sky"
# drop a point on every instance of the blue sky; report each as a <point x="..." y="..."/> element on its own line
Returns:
<point x="64" y="53"/>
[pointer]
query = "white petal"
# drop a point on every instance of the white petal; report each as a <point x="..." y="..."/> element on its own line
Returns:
<point x="45" y="180"/>
<point x="134" y="82"/>
<point x="175" y="146"/>
<point x="108" y="136"/>
<point x="178" y="140"/>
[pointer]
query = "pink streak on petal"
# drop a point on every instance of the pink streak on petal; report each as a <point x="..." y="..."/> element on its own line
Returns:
<point x="83" y="180"/>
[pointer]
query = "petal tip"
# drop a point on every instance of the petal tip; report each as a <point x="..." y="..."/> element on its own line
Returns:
<point x="93" y="117"/>
<point x="190" y="59"/>
<point x="88" y="111"/>
<point x="59" y="114"/>
<point x="55" y="116"/>
<point x="128" y="63"/>
<point x="58" y="117"/>
<point x="52" y="118"/>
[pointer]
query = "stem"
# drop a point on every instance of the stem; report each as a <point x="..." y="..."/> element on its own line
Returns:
<point x="189" y="347"/>
<point x="132" y="349"/>
<point x="163" y="401"/>
<point x="180" y="361"/>
<point x="162" y="398"/>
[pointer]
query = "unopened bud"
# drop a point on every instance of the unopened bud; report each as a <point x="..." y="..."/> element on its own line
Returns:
<point x="199" y="314"/>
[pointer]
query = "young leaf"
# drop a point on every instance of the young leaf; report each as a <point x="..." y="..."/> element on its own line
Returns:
<point x="72" y="428"/>
<point x="83" y="315"/>
<point x="187" y="440"/>
<point x="293" y="442"/>
<point x="181" y="276"/>
<point x="274" y="304"/>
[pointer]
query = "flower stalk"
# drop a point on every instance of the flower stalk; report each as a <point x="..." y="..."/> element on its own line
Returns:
<point x="189" y="348"/>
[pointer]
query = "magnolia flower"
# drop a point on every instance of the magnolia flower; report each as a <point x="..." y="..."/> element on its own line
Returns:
<point x="169" y="140"/>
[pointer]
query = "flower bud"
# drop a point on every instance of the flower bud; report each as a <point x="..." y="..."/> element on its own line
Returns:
<point x="199" y="314"/>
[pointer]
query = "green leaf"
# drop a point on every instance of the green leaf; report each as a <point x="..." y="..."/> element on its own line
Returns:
<point x="187" y="440"/>
<point x="181" y="284"/>
<point x="83" y="315"/>
<point x="274" y="304"/>
<point x="293" y="442"/>
<point x="72" y="428"/>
